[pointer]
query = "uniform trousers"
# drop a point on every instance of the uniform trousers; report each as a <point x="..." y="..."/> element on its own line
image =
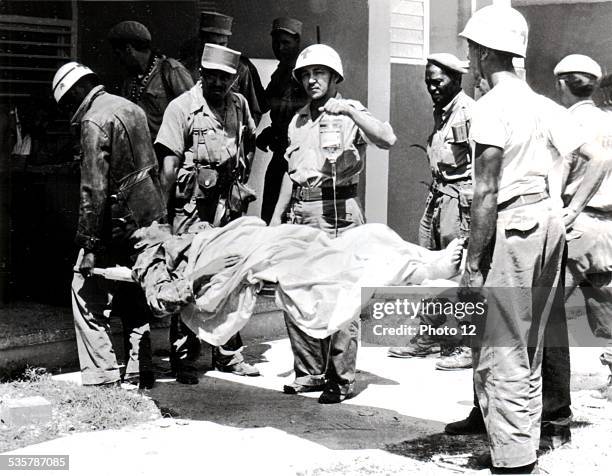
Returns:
<point x="94" y="299"/>
<point x="334" y="359"/>
<point x="522" y="282"/>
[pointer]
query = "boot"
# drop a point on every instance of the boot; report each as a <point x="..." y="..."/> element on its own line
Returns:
<point x="472" y="425"/>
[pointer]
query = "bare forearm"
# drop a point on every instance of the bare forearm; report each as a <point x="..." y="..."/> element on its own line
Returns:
<point x="380" y="133"/>
<point x="170" y="166"/>
<point x="284" y="199"/>
<point x="483" y="224"/>
<point x="598" y="165"/>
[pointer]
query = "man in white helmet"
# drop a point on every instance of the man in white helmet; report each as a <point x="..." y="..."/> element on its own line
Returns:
<point x="517" y="234"/>
<point x="320" y="190"/>
<point x="120" y="192"/>
<point x="206" y="144"/>
<point x="589" y="262"/>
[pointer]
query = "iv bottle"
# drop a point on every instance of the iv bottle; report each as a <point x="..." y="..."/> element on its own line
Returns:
<point x="330" y="137"/>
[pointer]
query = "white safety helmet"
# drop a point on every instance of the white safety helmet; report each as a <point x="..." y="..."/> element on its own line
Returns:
<point x="500" y="28"/>
<point x="67" y="76"/>
<point x="578" y="64"/>
<point x="319" y="54"/>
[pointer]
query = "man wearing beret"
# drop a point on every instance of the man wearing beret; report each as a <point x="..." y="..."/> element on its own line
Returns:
<point x="449" y="154"/>
<point x="206" y="144"/>
<point x="154" y="79"/>
<point x="589" y="261"/>
<point x="216" y="28"/>
<point x="285" y="97"/>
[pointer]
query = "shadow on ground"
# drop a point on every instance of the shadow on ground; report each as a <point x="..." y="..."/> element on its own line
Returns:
<point x="341" y="426"/>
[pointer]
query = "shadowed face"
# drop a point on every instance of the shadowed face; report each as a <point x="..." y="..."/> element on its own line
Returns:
<point x="216" y="84"/>
<point x="214" y="38"/>
<point x="286" y="46"/>
<point x="440" y="85"/>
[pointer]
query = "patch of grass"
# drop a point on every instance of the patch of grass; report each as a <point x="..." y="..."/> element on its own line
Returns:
<point x="74" y="409"/>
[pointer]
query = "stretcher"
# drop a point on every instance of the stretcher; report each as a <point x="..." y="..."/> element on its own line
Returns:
<point x="124" y="274"/>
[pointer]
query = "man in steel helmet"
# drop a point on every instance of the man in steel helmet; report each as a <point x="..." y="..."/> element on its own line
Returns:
<point x="320" y="190"/>
<point x="120" y="192"/>
<point x="517" y="235"/>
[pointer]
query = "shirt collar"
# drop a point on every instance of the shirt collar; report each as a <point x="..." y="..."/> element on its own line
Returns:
<point x="581" y="103"/>
<point x="86" y="104"/>
<point x="446" y="110"/>
<point x="305" y="111"/>
<point x="199" y="103"/>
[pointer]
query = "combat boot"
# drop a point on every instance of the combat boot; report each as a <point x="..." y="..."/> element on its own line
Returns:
<point x="472" y="425"/>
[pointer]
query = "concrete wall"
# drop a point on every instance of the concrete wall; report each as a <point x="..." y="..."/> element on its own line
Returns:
<point x="559" y="30"/>
<point x="412" y="120"/>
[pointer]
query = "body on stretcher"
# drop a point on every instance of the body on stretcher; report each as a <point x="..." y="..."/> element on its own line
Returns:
<point x="123" y="273"/>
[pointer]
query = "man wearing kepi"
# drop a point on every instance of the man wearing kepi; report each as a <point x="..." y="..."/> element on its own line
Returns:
<point x="589" y="262"/>
<point x="119" y="193"/>
<point x="285" y="96"/>
<point x="514" y="130"/>
<point x="216" y="28"/>
<point x="206" y="142"/>
<point x="326" y="152"/>
<point x="154" y="79"/>
<point x="449" y="154"/>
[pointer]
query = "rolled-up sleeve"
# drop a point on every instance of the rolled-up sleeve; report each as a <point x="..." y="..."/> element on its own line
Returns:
<point x="172" y="130"/>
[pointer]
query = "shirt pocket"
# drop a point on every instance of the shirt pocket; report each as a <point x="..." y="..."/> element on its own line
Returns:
<point x="520" y="223"/>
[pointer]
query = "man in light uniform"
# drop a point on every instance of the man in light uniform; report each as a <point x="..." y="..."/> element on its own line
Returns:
<point x="285" y="96"/>
<point x="154" y="79"/>
<point x="514" y="130"/>
<point x="451" y="167"/>
<point x="216" y="28"/>
<point x="312" y="194"/>
<point x="589" y="261"/>
<point x="119" y="193"/>
<point x="206" y="142"/>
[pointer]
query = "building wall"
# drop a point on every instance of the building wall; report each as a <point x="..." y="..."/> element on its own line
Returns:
<point x="558" y="30"/>
<point x="412" y="120"/>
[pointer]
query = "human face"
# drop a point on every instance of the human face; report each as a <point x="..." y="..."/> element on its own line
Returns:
<point x="474" y="59"/>
<point x="440" y="85"/>
<point x="216" y="84"/>
<point x="127" y="59"/>
<point x="317" y="81"/>
<point x="214" y="38"/>
<point x="286" y="46"/>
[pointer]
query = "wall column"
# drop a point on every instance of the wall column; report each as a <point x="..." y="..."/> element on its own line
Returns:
<point x="379" y="97"/>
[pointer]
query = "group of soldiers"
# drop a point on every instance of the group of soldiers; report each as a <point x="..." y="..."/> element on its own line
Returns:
<point x="537" y="177"/>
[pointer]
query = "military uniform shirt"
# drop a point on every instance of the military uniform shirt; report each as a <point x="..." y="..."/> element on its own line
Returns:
<point x="448" y="160"/>
<point x="307" y="165"/>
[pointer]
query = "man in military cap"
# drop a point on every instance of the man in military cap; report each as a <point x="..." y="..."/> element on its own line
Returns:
<point x="449" y="154"/>
<point x="154" y="80"/>
<point x="589" y="261"/>
<point x="285" y="96"/>
<point x="216" y="28"/>
<point x="119" y="193"/>
<point x="326" y="154"/>
<point x="206" y="145"/>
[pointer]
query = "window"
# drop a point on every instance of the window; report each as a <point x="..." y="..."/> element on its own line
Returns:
<point x="409" y="31"/>
<point x="31" y="50"/>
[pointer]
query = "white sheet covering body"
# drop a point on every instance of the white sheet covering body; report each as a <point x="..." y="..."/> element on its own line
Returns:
<point x="319" y="278"/>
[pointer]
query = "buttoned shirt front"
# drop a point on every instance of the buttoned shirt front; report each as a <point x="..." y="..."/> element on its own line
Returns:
<point x="307" y="164"/>
<point x="449" y="160"/>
